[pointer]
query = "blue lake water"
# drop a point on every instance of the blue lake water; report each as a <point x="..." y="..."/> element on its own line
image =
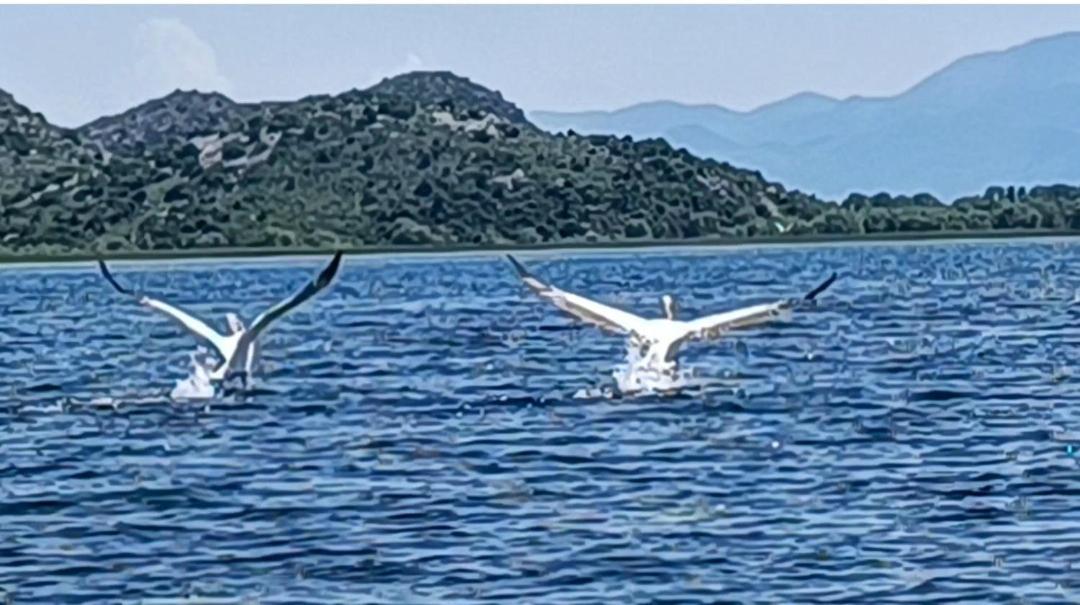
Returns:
<point x="426" y="431"/>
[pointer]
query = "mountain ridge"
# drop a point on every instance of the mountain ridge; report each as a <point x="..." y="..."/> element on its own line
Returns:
<point x="998" y="97"/>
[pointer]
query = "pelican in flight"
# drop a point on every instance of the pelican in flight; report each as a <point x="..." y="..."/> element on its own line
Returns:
<point x="660" y="339"/>
<point x="237" y="348"/>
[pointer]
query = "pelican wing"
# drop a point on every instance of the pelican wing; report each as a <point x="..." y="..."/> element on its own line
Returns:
<point x="192" y="324"/>
<point x="589" y="311"/>
<point x="310" y="289"/>
<point x="712" y="326"/>
<point x="811" y="295"/>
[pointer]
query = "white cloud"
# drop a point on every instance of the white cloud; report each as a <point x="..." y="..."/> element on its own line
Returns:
<point x="412" y="62"/>
<point x="170" y="55"/>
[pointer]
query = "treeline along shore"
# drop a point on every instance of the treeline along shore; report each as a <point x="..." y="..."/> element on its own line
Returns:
<point x="421" y="161"/>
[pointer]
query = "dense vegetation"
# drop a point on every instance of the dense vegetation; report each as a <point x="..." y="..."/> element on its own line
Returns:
<point x="421" y="159"/>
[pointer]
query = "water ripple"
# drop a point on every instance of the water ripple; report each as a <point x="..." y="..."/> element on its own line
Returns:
<point x="427" y="433"/>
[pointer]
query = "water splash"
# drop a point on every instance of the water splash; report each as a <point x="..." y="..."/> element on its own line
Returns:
<point x="197" y="385"/>
<point x="643" y="375"/>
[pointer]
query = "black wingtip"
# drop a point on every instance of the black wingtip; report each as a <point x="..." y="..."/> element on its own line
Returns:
<point x="331" y="269"/>
<point x="521" y="270"/>
<point x="818" y="290"/>
<point x="112" y="281"/>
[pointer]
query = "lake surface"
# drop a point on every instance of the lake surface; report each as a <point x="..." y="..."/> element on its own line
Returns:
<point x="426" y="431"/>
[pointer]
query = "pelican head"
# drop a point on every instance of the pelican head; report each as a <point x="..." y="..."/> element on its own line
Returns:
<point x="235" y="323"/>
<point x="668" y="302"/>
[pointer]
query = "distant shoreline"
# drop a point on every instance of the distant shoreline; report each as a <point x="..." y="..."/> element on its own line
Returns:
<point x="784" y="241"/>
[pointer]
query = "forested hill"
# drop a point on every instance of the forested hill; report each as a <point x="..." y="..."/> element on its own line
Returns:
<point x="426" y="158"/>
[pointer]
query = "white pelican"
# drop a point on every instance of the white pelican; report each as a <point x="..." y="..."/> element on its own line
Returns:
<point x="237" y="349"/>
<point x="659" y="340"/>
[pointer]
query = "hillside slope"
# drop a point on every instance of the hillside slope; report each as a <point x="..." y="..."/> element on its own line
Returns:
<point x="373" y="167"/>
<point x="422" y="159"/>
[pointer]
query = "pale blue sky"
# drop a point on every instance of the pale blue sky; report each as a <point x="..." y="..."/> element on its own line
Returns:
<point x="75" y="63"/>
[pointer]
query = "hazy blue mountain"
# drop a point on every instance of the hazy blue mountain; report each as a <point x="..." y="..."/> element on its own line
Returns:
<point x="1002" y="117"/>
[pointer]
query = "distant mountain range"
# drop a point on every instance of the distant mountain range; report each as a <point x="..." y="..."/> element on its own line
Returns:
<point x="1000" y="117"/>
<point x="424" y="159"/>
